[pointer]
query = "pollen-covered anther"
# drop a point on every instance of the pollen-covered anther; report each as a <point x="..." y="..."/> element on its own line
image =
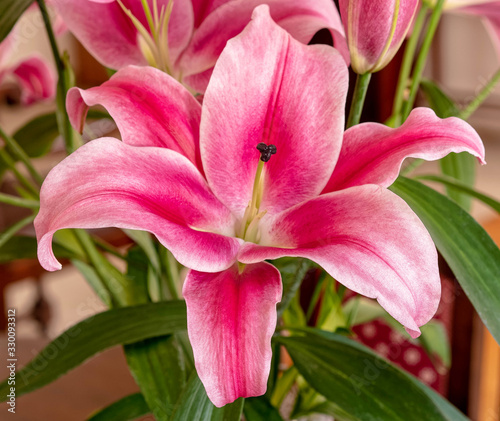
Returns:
<point x="266" y="151"/>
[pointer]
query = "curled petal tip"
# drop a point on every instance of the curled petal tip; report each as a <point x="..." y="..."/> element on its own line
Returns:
<point x="46" y="256"/>
<point x="413" y="333"/>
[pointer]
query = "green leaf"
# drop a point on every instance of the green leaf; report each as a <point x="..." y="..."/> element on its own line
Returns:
<point x="37" y="136"/>
<point x="435" y="341"/>
<point x="22" y="247"/>
<point x="463" y="188"/>
<point x="160" y="369"/>
<point x="195" y="405"/>
<point x="92" y="277"/>
<point x="258" y="409"/>
<point x="360" y="384"/>
<point x="113" y="327"/>
<point x="292" y="271"/>
<point x="469" y="251"/>
<point x="126" y="409"/>
<point x="441" y="103"/>
<point x="462" y="166"/>
<point x="10" y="12"/>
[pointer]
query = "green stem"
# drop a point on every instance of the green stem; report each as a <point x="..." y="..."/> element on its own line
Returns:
<point x="108" y="248"/>
<point x="110" y="276"/>
<point x="18" y="153"/>
<point x="477" y="101"/>
<point x="408" y="58"/>
<point x="413" y="165"/>
<point x="19" y="201"/>
<point x="358" y="99"/>
<point x="62" y="83"/>
<point x="14" y="229"/>
<point x="21" y="178"/>
<point x="171" y="271"/>
<point x="422" y="58"/>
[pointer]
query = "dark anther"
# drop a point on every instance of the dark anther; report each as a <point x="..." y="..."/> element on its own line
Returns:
<point x="266" y="151"/>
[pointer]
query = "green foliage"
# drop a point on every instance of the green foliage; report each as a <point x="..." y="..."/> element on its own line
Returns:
<point x="461" y="166"/>
<point x="127" y="409"/>
<point x="361" y="385"/>
<point x="22" y="247"/>
<point x="469" y="251"/>
<point x="258" y="409"/>
<point x="113" y="327"/>
<point x="195" y="405"/>
<point x="455" y="185"/>
<point x="10" y="12"/>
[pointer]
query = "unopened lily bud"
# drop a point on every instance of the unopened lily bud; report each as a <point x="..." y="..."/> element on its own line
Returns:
<point x="375" y="30"/>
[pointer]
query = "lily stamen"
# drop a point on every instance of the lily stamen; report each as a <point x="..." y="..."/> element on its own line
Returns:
<point x="249" y="228"/>
<point x="153" y="42"/>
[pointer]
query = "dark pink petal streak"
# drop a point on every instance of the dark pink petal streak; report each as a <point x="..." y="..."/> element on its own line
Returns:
<point x="368" y="239"/>
<point x="107" y="183"/>
<point x="231" y="318"/>
<point x="149" y="107"/>
<point x="282" y="93"/>
<point x="373" y="153"/>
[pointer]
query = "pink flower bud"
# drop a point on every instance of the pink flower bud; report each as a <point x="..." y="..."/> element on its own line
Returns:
<point x="375" y="30"/>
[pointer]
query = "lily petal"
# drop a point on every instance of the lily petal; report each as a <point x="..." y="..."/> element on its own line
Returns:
<point x="36" y="78"/>
<point x="293" y="97"/>
<point x="109" y="35"/>
<point x="107" y="183"/>
<point x="369" y="26"/>
<point x="224" y="20"/>
<point x="368" y="239"/>
<point x="149" y="107"/>
<point x="231" y="319"/>
<point x="490" y="12"/>
<point x="373" y="153"/>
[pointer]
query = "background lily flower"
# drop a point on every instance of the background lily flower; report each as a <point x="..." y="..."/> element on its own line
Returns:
<point x="188" y="37"/>
<point x="34" y="76"/>
<point x="375" y="30"/>
<point x="201" y="186"/>
<point x="488" y="10"/>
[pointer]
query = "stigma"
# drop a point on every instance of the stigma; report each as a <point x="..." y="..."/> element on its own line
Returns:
<point x="266" y="151"/>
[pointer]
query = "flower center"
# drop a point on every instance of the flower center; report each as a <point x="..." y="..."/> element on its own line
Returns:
<point x="249" y="228"/>
<point x="153" y="41"/>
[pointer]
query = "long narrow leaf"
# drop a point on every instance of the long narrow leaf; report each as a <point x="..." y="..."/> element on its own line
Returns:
<point x="10" y="12"/>
<point x="462" y="166"/>
<point x="463" y="188"/>
<point x="469" y="251"/>
<point x="113" y="327"/>
<point x="360" y="384"/>
<point x="195" y="405"/>
<point x="127" y="409"/>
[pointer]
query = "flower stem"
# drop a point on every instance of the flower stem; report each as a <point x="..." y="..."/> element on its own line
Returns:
<point x="14" y="229"/>
<point x="408" y="57"/>
<point x="478" y="100"/>
<point x="21" y="178"/>
<point x="109" y="275"/>
<point x="18" y="153"/>
<point x="18" y="201"/>
<point x="62" y="83"/>
<point x="171" y="271"/>
<point x="422" y="58"/>
<point x="358" y="99"/>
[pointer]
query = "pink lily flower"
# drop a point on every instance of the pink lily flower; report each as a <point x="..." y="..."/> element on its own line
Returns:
<point x="375" y="30"/>
<point x="489" y="11"/>
<point x="185" y="37"/>
<point x="262" y="170"/>
<point x="34" y="76"/>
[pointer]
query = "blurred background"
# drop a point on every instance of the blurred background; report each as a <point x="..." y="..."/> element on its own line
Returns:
<point x="462" y="61"/>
